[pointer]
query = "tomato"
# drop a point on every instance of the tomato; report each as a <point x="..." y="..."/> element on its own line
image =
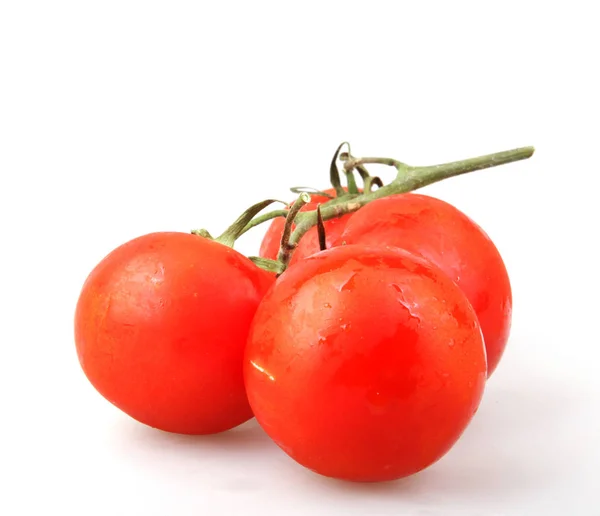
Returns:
<point x="365" y="363"/>
<point x="442" y="234"/>
<point x="160" y="330"/>
<point x="309" y="244"/>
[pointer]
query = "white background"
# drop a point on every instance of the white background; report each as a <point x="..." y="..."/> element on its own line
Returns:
<point x="120" y="118"/>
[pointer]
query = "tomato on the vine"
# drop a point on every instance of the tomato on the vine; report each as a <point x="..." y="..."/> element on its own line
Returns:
<point x="309" y="244"/>
<point x="160" y="330"/>
<point x="445" y="236"/>
<point x="365" y="363"/>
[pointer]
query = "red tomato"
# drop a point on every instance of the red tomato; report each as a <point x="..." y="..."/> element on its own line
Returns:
<point x="365" y="364"/>
<point x="309" y="244"/>
<point x="448" y="238"/>
<point x="160" y="329"/>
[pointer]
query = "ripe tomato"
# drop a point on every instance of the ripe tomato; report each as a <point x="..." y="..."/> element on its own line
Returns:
<point x="365" y="363"/>
<point x="445" y="236"/>
<point x="160" y="329"/>
<point x="309" y="244"/>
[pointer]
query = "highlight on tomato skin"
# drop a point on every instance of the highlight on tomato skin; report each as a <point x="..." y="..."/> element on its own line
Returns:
<point x="439" y="232"/>
<point x="365" y="364"/>
<point x="160" y="329"/>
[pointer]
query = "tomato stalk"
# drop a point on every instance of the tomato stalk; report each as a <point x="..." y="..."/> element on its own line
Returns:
<point x="334" y="173"/>
<point x="265" y="217"/>
<point x="287" y="247"/>
<point x="368" y="180"/>
<point x="408" y="179"/>
<point x="238" y="228"/>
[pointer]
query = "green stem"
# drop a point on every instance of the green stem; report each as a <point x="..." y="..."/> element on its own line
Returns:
<point x="351" y="182"/>
<point x="334" y="173"/>
<point x="353" y="162"/>
<point x="286" y="247"/>
<point x="267" y="264"/>
<point x="435" y="173"/>
<point x="408" y="179"/>
<point x="233" y="232"/>
<point x="203" y="233"/>
<point x="263" y="218"/>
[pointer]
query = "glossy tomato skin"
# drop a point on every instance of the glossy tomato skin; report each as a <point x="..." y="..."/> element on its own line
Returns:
<point x="309" y="244"/>
<point x="160" y="329"/>
<point x="442" y="234"/>
<point x="365" y="364"/>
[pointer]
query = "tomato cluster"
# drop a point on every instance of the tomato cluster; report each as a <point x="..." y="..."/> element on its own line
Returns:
<point x="365" y="361"/>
